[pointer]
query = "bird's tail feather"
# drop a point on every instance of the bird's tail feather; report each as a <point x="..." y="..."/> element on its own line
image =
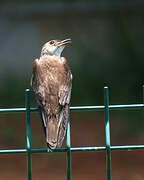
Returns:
<point x="51" y="131"/>
<point x="55" y="129"/>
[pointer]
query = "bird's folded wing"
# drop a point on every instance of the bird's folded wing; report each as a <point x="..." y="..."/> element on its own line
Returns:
<point x="37" y="80"/>
<point x="64" y="101"/>
<point x="65" y="90"/>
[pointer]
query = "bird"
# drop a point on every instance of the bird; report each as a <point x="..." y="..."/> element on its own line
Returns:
<point x="51" y="82"/>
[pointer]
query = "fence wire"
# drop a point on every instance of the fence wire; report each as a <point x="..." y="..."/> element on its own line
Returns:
<point x="107" y="148"/>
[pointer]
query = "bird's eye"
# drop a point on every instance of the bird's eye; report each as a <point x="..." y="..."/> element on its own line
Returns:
<point x="52" y="42"/>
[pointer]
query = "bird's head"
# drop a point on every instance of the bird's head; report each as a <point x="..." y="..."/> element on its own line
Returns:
<point x="54" y="47"/>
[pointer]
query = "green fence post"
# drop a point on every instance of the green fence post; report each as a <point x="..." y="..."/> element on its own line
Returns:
<point x="68" y="152"/>
<point x="107" y="133"/>
<point x="28" y="134"/>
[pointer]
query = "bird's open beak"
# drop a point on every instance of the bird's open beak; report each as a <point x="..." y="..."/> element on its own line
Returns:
<point x="64" y="42"/>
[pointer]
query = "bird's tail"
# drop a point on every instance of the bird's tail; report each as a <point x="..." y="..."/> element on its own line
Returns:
<point x="51" y="131"/>
<point x="49" y="124"/>
<point x="55" y="127"/>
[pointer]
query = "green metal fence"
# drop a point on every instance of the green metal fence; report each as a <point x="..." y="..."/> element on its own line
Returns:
<point x="108" y="148"/>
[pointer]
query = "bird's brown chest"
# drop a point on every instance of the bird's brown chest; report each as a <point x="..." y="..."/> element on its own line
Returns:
<point x="54" y="74"/>
<point x="53" y="71"/>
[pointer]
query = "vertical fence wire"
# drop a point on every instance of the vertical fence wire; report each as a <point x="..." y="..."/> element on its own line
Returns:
<point x="28" y="134"/>
<point x="107" y="133"/>
<point x="68" y="152"/>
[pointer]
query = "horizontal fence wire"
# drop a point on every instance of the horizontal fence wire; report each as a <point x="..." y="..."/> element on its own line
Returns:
<point x="81" y="108"/>
<point x="108" y="148"/>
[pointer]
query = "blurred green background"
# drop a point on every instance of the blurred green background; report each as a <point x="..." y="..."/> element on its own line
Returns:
<point x="107" y="50"/>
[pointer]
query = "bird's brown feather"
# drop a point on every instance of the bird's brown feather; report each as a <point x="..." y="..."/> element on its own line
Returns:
<point x="51" y="82"/>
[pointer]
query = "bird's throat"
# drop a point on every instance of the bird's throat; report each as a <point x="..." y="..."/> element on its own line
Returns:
<point x="58" y="51"/>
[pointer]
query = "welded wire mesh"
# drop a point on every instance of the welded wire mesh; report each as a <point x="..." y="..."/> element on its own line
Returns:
<point x="107" y="148"/>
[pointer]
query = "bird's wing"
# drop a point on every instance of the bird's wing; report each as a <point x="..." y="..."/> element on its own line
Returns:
<point x="36" y="81"/>
<point x="64" y="101"/>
